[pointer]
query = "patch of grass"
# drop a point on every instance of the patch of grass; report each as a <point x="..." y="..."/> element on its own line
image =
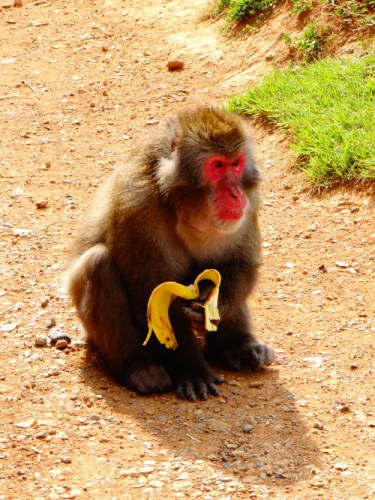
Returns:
<point x="302" y="5"/>
<point x="329" y="109"/>
<point x="310" y="43"/>
<point x="361" y="10"/>
<point x="238" y="10"/>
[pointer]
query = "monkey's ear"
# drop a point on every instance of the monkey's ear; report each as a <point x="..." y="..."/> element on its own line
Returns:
<point x="173" y="131"/>
<point x="167" y="175"/>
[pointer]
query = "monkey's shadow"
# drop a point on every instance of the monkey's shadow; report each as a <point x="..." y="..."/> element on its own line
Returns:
<point x="252" y="429"/>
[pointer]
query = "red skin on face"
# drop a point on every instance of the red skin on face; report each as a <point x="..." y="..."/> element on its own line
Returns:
<point x="224" y="174"/>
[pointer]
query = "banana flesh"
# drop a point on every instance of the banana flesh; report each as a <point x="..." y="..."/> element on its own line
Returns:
<point x="162" y="296"/>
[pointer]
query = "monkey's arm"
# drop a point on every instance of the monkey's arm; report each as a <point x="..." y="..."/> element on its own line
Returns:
<point x="234" y="345"/>
<point x="189" y="370"/>
<point x="238" y="279"/>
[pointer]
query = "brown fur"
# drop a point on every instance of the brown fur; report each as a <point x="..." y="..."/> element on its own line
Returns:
<point x="153" y="222"/>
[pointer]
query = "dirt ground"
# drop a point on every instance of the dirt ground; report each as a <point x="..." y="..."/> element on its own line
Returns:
<point x="80" y="84"/>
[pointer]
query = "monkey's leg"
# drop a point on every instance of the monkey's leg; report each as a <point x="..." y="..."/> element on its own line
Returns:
<point x="187" y="366"/>
<point x="100" y="296"/>
<point x="235" y="347"/>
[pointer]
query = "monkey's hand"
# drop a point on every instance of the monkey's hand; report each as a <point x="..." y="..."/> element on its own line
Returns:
<point x="201" y="387"/>
<point x="158" y="305"/>
<point x="195" y="311"/>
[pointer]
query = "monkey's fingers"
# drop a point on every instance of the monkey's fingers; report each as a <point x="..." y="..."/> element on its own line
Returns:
<point x="206" y="287"/>
<point x="193" y="314"/>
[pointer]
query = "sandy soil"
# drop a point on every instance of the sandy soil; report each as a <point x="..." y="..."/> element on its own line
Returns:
<point x="80" y="84"/>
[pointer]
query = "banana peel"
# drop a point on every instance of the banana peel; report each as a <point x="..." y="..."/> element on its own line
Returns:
<point x="163" y="295"/>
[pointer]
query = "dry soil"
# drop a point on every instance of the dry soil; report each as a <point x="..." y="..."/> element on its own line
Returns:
<point x="80" y="84"/>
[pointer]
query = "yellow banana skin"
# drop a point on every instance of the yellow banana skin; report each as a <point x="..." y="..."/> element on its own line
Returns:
<point x="162" y="296"/>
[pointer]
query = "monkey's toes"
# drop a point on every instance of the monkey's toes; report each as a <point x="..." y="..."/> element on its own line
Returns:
<point x="149" y="379"/>
<point x="191" y="389"/>
<point x="250" y="356"/>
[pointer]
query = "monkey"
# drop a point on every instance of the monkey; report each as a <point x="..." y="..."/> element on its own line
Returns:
<point x="187" y="200"/>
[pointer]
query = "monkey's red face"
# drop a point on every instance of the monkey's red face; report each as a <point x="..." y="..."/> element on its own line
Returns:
<point x="224" y="175"/>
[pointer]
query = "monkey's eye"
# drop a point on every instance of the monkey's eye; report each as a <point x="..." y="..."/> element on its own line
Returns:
<point x="236" y="162"/>
<point x="218" y="164"/>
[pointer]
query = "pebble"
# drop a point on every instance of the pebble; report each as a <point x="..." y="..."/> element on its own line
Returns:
<point x="318" y="425"/>
<point x="175" y="64"/>
<point x="41" y="341"/>
<point x="247" y="428"/>
<point x="51" y="323"/>
<point x="44" y="302"/>
<point x="66" y="460"/>
<point x="59" y="335"/>
<point x="61" y="344"/>
<point x="41" y="435"/>
<point x="342" y="407"/>
<point x="146" y="470"/>
<point x="25" y="424"/>
<point x="342" y="264"/>
<point x="41" y="204"/>
<point x="341" y="466"/>
<point x="156" y="484"/>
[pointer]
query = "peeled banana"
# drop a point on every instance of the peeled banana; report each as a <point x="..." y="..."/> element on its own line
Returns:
<point x="162" y="296"/>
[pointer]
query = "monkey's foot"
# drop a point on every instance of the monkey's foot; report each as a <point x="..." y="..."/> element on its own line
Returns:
<point x="148" y="378"/>
<point x="249" y="356"/>
<point x="201" y="387"/>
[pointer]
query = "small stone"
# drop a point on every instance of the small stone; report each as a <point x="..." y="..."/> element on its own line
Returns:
<point x="94" y="418"/>
<point x="66" y="460"/>
<point x="341" y="466"/>
<point x="146" y="470"/>
<point x="8" y="5"/>
<point x="74" y="493"/>
<point x="269" y="57"/>
<point x="41" y="341"/>
<point x="26" y="424"/>
<point x="44" y="302"/>
<point x="59" y="335"/>
<point x="342" y="264"/>
<point x="41" y="435"/>
<point x="247" y="428"/>
<point x="175" y="65"/>
<point x="342" y="407"/>
<point x="318" y="425"/>
<point x="156" y="484"/>
<point x="9" y="327"/>
<point x="61" y="344"/>
<point x="51" y="323"/>
<point x="41" y="204"/>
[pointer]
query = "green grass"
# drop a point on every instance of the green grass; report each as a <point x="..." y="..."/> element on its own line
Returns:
<point x="311" y="42"/>
<point x="329" y="109"/>
<point x="239" y="10"/>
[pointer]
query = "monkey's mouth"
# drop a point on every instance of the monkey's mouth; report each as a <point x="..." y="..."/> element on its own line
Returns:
<point x="230" y="215"/>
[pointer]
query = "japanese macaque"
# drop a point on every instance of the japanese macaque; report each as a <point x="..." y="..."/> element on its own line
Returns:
<point x="187" y="201"/>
